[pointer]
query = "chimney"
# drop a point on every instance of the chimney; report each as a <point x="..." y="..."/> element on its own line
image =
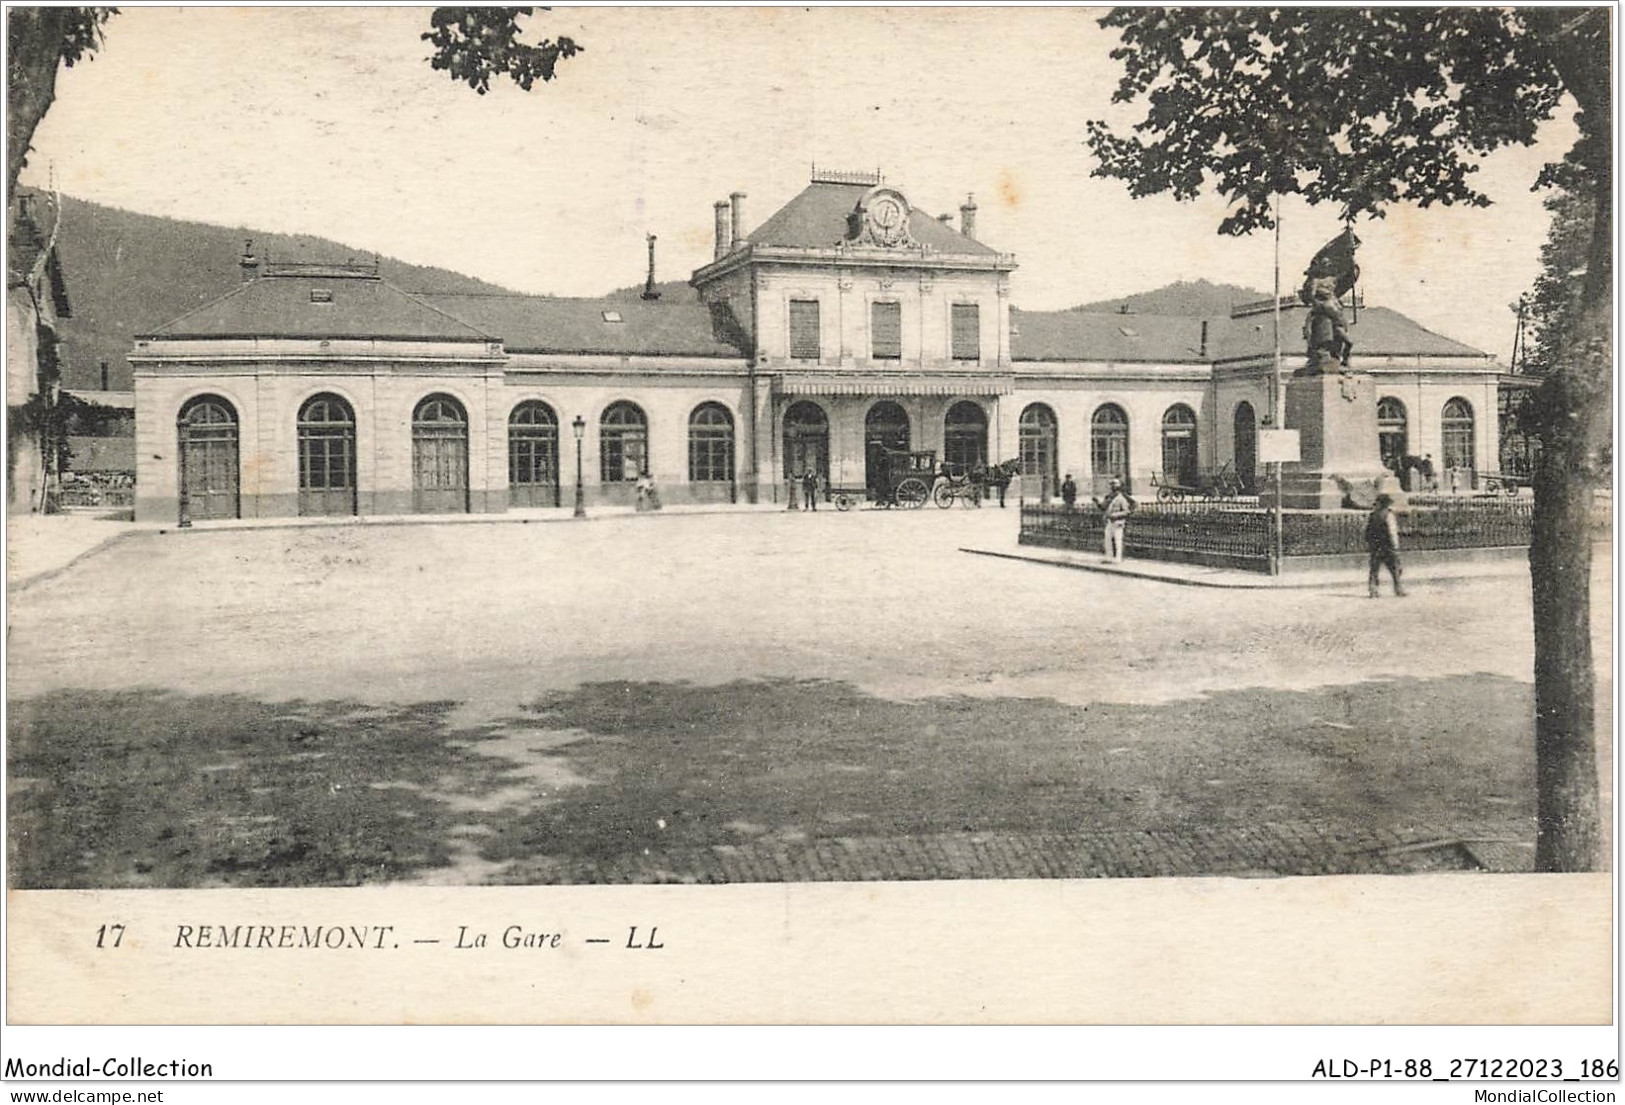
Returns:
<point x="946" y="220"/>
<point x="1203" y="352"/>
<point x="967" y="217"/>
<point x="738" y="199"/>
<point x="249" y="263"/>
<point x="104" y="375"/>
<point x="722" y="230"/>
<point x="649" y="292"/>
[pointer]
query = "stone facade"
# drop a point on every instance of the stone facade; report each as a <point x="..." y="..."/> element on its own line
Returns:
<point x="847" y="317"/>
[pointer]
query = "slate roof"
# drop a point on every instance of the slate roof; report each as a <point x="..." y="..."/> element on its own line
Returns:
<point x="1378" y="332"/>
<point x="1177" y="339"/>
<point x="817" y="219"/>
<point x="282" y="306"/>
<point x="1082" y="336"/>
<point x="541" y="324"/>
<point x="33" y="219"/>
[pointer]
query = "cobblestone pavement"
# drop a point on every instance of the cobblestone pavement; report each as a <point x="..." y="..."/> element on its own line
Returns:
<point x="1291" y="848"/>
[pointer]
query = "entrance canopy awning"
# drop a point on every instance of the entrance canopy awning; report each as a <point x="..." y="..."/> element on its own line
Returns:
<point x="935" y="383"/>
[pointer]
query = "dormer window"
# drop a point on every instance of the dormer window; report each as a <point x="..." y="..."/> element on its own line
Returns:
<point x="321" y="295"/>
<point x="613" y="316"/>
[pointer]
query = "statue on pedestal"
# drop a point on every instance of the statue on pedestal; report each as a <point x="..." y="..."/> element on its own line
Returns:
<point x="1325" y="330"/>
<point x="1331" y="275"/>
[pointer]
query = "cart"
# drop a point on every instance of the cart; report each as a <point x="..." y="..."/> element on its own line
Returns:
<point x="904" y="479"/>
<point x="1504" y="482"/>
<point x="1222" y="483"/>
<point x="959" y="483"/>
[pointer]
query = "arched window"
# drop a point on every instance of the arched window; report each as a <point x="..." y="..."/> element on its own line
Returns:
<point x="964" y="435"/>
<point x="1246" y="446"/>
<point x="885" y="430"/>
<point x="1108" y="447"/>
<point x="439" y="456"/>
<point x="806" y="440"/>
<point x="1037" y="432"/>
<point x="711" y="444"/>
<point x="533" y="455"/>
<point x="326" y="456"/>
<point x="1393" y="434"/>
<point x="1456" y="431"/>
<point x="1179" y="444"/>
<point x="623" y="444"/>
<point x="209" y="478"/>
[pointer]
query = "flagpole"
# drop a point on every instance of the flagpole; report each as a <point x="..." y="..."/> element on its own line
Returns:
<point x="1279" y="414"/>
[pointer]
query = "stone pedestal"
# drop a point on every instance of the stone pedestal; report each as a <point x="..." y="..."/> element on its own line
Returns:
<point x="1335" y="414"/>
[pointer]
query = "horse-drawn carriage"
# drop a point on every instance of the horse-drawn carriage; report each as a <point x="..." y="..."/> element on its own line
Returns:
<point x="896" y="478"/>
<point x="909" y="479"/>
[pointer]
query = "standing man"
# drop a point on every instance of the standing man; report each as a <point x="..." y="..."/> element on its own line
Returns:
<point x="1117" y="507"/>
<point x="1069" y="492"/>
<point x="1382" y="542"/>
<point x="809" y="489"/>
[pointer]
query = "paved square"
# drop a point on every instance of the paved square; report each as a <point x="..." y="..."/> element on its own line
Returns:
<point x="743" y="696"/>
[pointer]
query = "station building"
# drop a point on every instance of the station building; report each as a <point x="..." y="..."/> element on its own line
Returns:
<point x="848" y="318"/>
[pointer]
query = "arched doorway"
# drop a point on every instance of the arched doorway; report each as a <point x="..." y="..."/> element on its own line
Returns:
<point x="623" y="444"/>
<point x="1037" y="432"/>
<point x="964" y="436"/>
<point x="711" y="453"/>
<point x="885" y="430"/>
<point x="1108" y="447"/>
<point x="1393" y="433"/>
<point x="533" y="455"/>
<point x="1456" y="442"/>
<point x="327" y="483"/>
<point x="1179" y="445"/>
<point x="209" y="476"/>
<point x="439" y="456"/>
<point x="1246" y="447"/>
<point x="806" y="440"/>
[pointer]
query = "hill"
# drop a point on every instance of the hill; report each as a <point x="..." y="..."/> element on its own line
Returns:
<point x="129" y="273"/>
<point x="1190" y="298"/>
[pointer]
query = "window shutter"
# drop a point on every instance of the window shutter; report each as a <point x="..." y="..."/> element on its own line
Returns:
<point x="967" y="332"/>
<point x="886" y="331"/>
<point x="804" y="336"/>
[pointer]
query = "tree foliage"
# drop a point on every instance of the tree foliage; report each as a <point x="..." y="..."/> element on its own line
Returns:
<point x="1361" y="108"/>
<point x="473" y="45"/>
<point x="39" y="42"/>
<point x="1365" y="108"/>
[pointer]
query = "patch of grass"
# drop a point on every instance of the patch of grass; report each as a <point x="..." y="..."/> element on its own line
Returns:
<point x="145" y="788"/>
<point x="674" y="764"/>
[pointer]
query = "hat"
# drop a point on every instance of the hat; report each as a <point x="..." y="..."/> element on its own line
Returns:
<point x="1116" y="482"/>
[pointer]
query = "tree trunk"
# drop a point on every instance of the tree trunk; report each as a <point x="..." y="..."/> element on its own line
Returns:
<point x="1575" y="405"/>
<point x="35" y="55"/>
<point x="1567" y="822"/>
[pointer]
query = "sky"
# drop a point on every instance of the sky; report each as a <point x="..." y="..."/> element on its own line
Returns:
<point x="329" y="121"/>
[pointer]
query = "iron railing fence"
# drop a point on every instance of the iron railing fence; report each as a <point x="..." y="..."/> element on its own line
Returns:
<point x="1241" y="534"/>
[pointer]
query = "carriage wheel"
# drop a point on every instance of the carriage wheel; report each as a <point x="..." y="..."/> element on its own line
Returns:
<point x="1166" y="494"/>
<point x="943" y="496"/>
<point x="1509" y="487"/>
<point x="843" y="502"/>
<point x="912" y="493"/>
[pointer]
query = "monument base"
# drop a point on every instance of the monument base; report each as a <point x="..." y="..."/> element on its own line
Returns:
<point x="1301" y="490"/>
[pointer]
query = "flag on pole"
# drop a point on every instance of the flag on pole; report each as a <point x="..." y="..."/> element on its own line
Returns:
<point x="1336" y="259"/>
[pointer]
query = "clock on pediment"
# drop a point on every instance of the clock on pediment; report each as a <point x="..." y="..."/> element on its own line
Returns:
<point x="881" y="219"/>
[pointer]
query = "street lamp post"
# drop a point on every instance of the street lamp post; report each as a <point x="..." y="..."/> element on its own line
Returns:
<point x="580" y="427"/>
